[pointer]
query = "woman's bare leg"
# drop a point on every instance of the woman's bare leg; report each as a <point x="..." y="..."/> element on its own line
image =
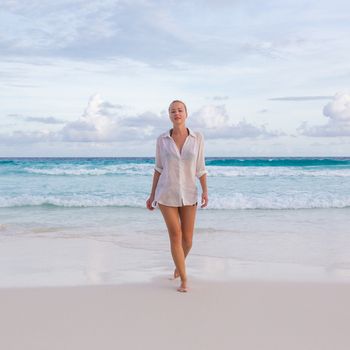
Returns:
<point x="171" y="218"/>
<point x="187" y="218"/>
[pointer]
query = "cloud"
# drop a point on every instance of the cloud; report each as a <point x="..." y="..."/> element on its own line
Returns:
<point x="101" y="29"/>
<point x="220" y="98"/>
<point x="104" y="122"/>
<point x="43" y="120"/>
<point x="216" y="123"/>
<point x="24" y="137"/>
<point x="43" y="27"/>
<point x="99" y="123"/>
<point x="338" y="112"/>
<point x="300" y="98"/>
<point x="47" y="120"/>
<point x="90" y="30"/>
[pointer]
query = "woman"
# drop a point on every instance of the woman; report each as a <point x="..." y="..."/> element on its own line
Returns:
<point x="179" y="160"/>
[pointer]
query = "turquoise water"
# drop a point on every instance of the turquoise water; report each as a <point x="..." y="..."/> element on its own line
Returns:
<point x="234" y="183"/>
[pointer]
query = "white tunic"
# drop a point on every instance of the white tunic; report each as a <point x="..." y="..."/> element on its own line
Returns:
<point x="177" y="181"/>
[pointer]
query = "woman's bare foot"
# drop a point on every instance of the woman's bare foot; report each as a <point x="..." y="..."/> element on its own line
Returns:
<point x="183" y="287"/>
<point x="176" y="275"/>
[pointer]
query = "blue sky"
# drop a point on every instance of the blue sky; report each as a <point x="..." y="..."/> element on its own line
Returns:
<point x="95" y="78"/>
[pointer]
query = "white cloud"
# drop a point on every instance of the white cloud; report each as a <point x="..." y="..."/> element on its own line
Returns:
<point x="211" y="117"/>
<point x="220" y="98"/>
<point x="216" y="123"/>
<point x="106" y="122"/>
<point x="338" y="112"/>
<point x="103" y="122"/>
<point x="300" y="98"/>
<point x="99" y="125"/>
<point x="25" y="137"/>
<point x="46" y="120"/>
<point x="44" y="25"/>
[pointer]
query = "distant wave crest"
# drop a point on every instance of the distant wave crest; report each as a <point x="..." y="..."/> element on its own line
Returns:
<point x="146" y="170"/>
<point x="121" y="169"/>
<point x="272" y="162"/>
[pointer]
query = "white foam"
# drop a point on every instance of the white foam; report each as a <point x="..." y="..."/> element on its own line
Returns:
<point x="147" y="169"/>
<point x="120" y="169"/>
<point x="275" y="171"/>
<point x="73" y="201"/>
<point x="278" y="201"/>
<point x="234" y="201"/>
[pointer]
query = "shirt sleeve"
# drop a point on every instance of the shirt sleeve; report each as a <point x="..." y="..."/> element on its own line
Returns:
<point x="200" y="166"/>
<point x="158" y="161"/>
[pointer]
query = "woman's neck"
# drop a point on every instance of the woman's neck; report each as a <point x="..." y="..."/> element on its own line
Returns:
<point x="179" y="130"/>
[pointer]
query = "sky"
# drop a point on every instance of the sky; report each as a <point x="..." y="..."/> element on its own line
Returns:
<point x="95" y="78"/>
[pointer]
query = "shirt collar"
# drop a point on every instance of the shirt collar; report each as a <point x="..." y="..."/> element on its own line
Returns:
<point x="167" y="133"/>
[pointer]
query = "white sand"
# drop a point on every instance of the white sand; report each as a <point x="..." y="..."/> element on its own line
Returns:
<point x="226" y="315"/>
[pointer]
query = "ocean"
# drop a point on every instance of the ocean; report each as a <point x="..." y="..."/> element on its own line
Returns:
<point x="234" y="183"/>
<point x="71" y="221"/>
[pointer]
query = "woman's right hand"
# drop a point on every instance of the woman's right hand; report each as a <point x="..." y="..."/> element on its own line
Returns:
<point x="149" y="203"/>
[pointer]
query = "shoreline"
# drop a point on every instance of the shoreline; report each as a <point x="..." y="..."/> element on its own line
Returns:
<point x="109" y="246"/>
<point x="237" y="314"/>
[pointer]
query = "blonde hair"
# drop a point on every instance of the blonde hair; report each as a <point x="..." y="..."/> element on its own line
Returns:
<point x="179" y="102"/>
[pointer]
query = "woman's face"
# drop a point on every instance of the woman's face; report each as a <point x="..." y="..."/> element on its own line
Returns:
<point x="177" y="113"/>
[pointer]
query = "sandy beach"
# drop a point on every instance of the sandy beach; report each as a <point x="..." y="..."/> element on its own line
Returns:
<point x="221" y="315"/>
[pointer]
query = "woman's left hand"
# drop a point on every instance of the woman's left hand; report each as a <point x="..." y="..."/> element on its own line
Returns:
<point x="204" y="199"/>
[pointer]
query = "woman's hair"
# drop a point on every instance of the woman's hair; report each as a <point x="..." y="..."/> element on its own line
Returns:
<point x="179" y="102"/>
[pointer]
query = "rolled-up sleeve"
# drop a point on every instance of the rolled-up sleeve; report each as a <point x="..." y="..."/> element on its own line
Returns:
<point x="158" y="161"/>
<point x="200" y="166"/>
